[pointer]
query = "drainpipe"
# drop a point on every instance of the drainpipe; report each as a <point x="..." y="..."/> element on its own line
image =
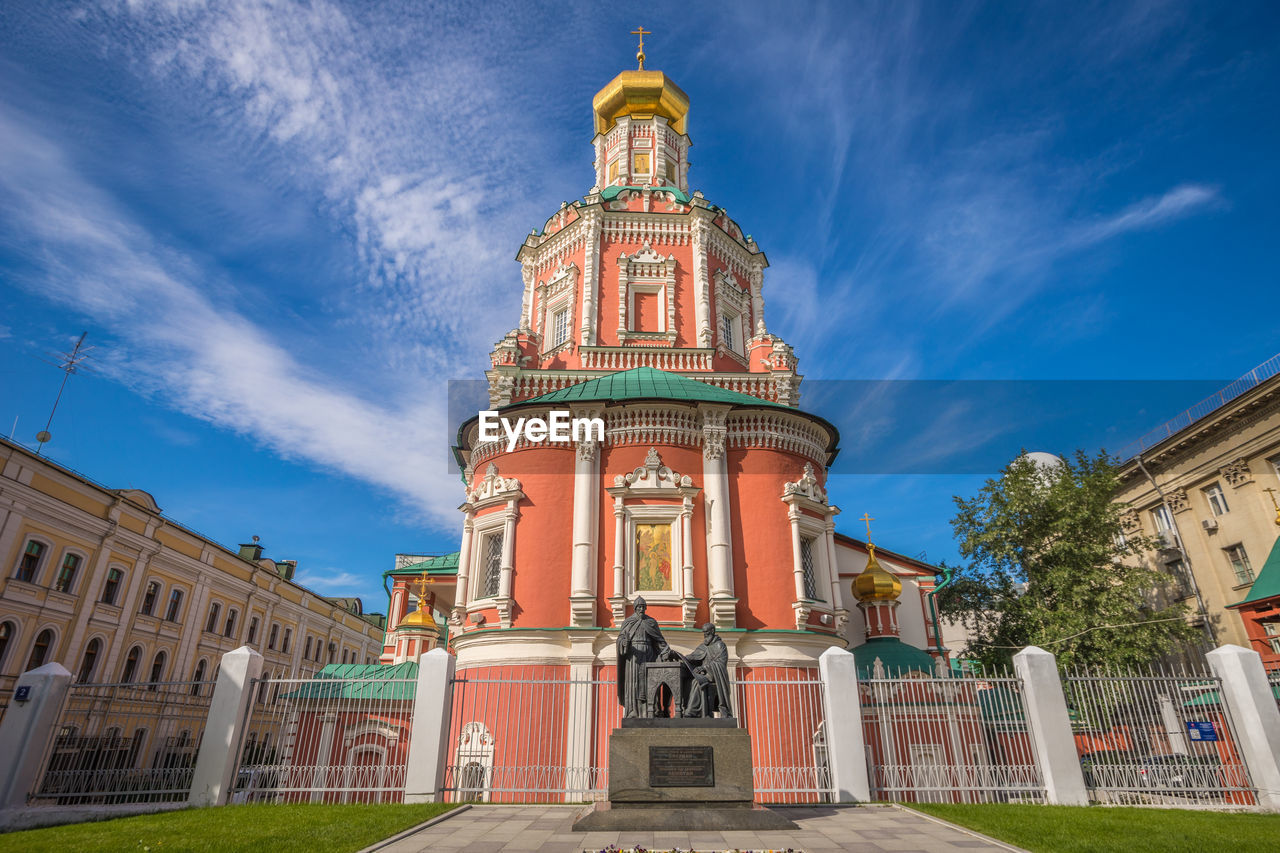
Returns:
<point x="947" y="577"/>
<point x="1182" y="552"/>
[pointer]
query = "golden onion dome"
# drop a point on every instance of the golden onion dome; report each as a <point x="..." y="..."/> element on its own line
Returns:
<point x="640" y="93"/>
<point x="876" y="584"/>
<point x="420" y="619"/>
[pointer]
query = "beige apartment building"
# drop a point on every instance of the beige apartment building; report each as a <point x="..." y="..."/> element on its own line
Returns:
<point x="100" y="581"/>
<point x="1203" y="486"/>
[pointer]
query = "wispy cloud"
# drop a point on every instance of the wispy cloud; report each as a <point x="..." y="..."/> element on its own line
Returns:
<point x="332" y="581"/>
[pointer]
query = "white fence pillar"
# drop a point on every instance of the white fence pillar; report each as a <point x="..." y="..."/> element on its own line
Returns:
<point x="1050" y="727"/>
<point x="842" y="710"/>
<point x="429" y="738"/>
<point x="28" y="725"/>
<point x="1247" y="695"/>
<point x="219" y="757"/>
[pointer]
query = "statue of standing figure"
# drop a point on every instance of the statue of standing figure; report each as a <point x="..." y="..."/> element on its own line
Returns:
<point x="640" y="642"/>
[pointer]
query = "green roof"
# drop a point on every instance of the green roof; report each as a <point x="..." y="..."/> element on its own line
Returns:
<point x="361" y="681"/>
<point x="610" y="193"/>
<point x="443" y="564"/>
<point x="647" y="383"/>
<point x="1267" y="583"/>
<point x="895" y="656"/>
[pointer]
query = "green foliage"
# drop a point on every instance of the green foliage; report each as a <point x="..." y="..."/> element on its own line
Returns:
<point x="1084" y="829"/>
<point x="315" y="828"/>
<point x="1050" y="565"/>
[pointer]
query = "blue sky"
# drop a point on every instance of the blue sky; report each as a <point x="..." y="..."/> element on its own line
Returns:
<point x="286" y="226"/>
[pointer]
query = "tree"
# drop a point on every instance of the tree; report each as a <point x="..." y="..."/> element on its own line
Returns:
<point x="1051" y="565"/>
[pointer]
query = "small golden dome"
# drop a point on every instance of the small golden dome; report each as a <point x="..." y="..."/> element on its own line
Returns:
<point x="421" y="619"/>
<point x="640" y="93"/>
<point x="876" y="584"/>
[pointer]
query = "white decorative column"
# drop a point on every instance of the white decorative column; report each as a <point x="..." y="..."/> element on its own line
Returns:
<point x="689" y="607"/>
<point x="586" y="476"/>
<point x="618" y="601"/>
<point x="701" y="282"/>
<point x="591" y="277"/>
<point x="1050" y="728"/>
<point x="28" y="726"/>
<point x="1247" y="695"/>
<point x="797" y="559"/>
<point x="526" y="299"/>
<point x="219" y="757"/>
<point x="508" y="563"/>
<point x="842" y="710"/>
<point x="458" y="614"/>
<point x="837" y="594"/>
<point x="715" y="476"/>
<point x="757" y="298"/>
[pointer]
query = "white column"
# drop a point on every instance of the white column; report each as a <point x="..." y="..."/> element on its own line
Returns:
<point x="526" y="299"/>
<point x="797" y="555"/>
<point x="582" y="598"/>
<point x="1251" y="705"/>
<point x="324" y="755"/>
<point x="508" y="564"/>
<point x="715" y="477"/>
<point x="591" y="278"/>
<point x="842" y="710"/>
<point x="686" y="545"/>
<point x="579" y="729"/>
<point x="757" y="297"/>
<point x="464" y="567"/>
<point x="219" y="756"/>
<point x="1049" y="725"/>
<point x="837" y="594"/>
<point x="28" y="726"/>
<point x="429" y="737"/>
<point x="701" y="283"/>
<point x="619" y="548"/>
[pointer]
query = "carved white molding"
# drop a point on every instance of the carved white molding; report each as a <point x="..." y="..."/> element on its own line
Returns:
<point x="652" y="475"/>
<point x="494" y="486"/>
<point x="1237" y="473"/>
<point x="807" y="486"/>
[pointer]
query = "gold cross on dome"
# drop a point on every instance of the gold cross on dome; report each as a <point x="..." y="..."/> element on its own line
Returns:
<point x="642" y="32"/>
<point x="422" y="589"/>
<point x="1272" y="493"/>
<point x="866" y="517"/>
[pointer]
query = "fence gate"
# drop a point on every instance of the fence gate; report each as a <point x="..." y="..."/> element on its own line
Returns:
<point x="948" y="740"/>
<point x="125" y="743"/>
<point x="333" y="740"/>
<point x="1156" y="738"/>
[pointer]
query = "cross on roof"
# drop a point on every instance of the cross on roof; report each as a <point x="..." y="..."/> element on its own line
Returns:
<point x="866" y="516"/>
<point x="642" y="32"/>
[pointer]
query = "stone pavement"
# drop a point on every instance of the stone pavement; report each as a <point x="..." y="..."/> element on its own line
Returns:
<point x="869" y="829"/>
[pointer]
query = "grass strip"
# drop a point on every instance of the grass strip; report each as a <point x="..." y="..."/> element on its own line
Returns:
<point x="1097" y="829"/>
<point x="314" y="828"/>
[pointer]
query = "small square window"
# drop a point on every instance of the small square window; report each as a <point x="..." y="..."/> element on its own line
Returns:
<point x="640" y="164"/>
<point x="491" y="570"/>
<point x="810" y="573"/>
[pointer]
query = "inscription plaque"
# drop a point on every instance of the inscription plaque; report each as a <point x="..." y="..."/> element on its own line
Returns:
<point x="681" y="767"/>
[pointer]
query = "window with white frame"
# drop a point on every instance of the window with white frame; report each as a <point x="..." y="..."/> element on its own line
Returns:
<point x="174" y="611"/>
<point x="29" y="563"/>
<point x="67" y="572"/>
<point x="809" y="569"/>
<point x="654" y="547"/>
<point x="1239" y="563"/>
<point x="111" y="589"/>
<point x="728" y="335"/>
<point x="1271" y="630"/>
<point x="1162" y="519"/>
<point x="560" y="327"/>
<point x="1216" y="499"/>
<point x="491" y="564"/>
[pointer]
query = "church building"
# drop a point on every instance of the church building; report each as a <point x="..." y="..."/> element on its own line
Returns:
<point x="643" y="306"/>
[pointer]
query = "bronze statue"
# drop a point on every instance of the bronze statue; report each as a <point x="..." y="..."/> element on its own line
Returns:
<point x="640" y="642"/>
<point x="708" y="665"/>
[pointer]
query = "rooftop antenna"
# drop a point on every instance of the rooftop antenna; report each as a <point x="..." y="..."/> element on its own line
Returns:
<point x="68" y="364"/>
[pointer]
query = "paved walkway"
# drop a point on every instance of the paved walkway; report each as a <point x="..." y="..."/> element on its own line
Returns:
<point x="869" y="829"/>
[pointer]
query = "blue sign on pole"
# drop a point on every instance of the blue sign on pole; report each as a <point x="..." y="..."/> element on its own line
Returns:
<point x="1201" y="730"/>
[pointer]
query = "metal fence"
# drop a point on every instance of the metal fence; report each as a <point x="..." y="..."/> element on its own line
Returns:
<point x="951" y="740"/>
<point x="125" y="743"/>
<point x="1156" y="738"/>
<point x="333" y="740"/>
<point x="782" y="709"/>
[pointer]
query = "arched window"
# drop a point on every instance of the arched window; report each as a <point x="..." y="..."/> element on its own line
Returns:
<point x="174" y="611"/>
<point x="288" y="637"/>
<point x="111" y="589"/>
<point x="29" y="563"/>
<point x="148" y="607"/>
<point x="253" y="631"/>
<point x="474" y="754"/>
<point x="307" y="652"/>
<point x="130" y="670"/>
<point x="90" y="662"/>
<point x="212" y="624"/>
<point x="198" y="676"/>
<point x="7" y="632"/>
<point x="67" y="572"/>
<point x="229" y="630"/>
<point x="157" y="668"/>
<point x="333" y="650"/>
<point x="40" y="650"/>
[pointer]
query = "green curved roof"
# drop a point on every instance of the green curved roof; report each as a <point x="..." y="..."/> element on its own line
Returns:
<point x="1267" y="583"/>
<point x="444" y="564"/>
<point x="610" y="193"/>
<point x="895" y="656"/>
<point x="647" y="383"/>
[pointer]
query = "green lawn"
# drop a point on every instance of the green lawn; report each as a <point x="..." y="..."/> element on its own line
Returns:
<point x="312" y="828"/>
<point x="1093" y="829"/>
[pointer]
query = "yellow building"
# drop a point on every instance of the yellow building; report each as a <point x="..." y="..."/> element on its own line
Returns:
<point x="99" y="581"/>
<point x="1203" y="487"/>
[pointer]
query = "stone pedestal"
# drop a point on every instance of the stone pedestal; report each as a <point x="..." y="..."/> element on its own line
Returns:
<point x="680" y="774"/>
